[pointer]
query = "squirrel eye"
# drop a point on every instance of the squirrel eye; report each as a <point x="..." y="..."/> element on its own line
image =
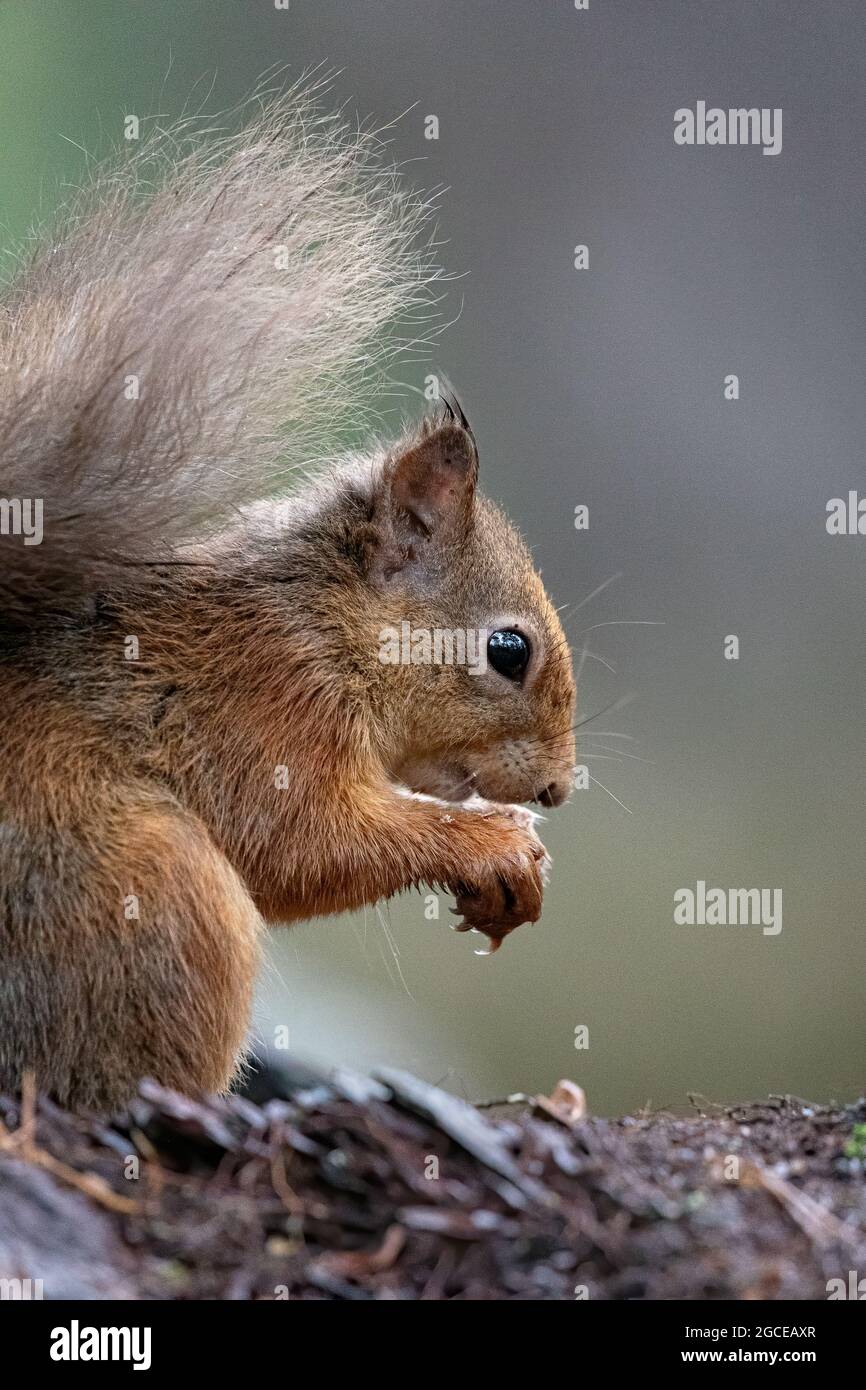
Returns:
<point x="508" y="653"/>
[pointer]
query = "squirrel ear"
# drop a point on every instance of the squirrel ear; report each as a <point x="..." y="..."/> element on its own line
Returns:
<point x="432" y="483"/>
<point x="429" y="495"/>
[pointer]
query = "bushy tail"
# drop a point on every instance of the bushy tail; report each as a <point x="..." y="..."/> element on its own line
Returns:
<point x="208" y="313"/>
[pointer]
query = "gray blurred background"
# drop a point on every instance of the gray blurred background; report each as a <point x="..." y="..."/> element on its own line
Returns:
<point x="603" y="387"/>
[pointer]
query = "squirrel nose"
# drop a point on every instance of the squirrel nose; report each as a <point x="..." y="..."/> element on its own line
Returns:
<point x="553" y="794"/>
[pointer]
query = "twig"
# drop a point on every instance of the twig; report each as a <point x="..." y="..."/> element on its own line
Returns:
<point x="21" y="1143"/>
<point x="820" y="1225"/>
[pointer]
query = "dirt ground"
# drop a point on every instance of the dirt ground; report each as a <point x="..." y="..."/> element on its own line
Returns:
<point x="393" y="1189"/>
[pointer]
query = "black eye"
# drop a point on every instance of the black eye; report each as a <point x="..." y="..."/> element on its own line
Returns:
<point x="508" y="653"/>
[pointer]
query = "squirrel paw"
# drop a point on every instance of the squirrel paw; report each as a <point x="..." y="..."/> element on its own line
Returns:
<point x="507" y="890"/>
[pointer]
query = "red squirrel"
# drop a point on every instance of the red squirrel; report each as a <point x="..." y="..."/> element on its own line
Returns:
<point x="200" y="732"/>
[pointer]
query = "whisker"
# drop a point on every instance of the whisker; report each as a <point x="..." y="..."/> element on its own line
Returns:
<point x="607" y="733"/>
<point x="595" y="593"/>
<point x="579" y="669"/>
<point x="624" y="622"/>
<point x="609" y="792"/>
<point x="394" y="951"/>
<point x="622" y="752"/>
<point x="594" y="656"/>
<point x="614" y="704"/>
<point x="557" y="738"/>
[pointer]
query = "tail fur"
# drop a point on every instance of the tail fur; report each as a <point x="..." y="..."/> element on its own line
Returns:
<point x="209" y="312"/>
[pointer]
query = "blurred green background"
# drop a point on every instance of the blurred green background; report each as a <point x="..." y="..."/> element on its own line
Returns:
<point x="601" y="387"/>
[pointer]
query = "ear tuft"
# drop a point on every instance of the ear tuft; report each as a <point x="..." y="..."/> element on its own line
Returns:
<point x="453" y="409"/>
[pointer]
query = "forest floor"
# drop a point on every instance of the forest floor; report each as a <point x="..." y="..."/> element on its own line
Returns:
<point x="393" y="1189"/>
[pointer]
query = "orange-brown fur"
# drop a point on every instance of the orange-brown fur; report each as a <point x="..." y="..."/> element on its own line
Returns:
<point x="255" y="761"/>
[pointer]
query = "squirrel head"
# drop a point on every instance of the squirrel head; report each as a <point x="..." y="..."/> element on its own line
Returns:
<point x="474" y="687"/>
